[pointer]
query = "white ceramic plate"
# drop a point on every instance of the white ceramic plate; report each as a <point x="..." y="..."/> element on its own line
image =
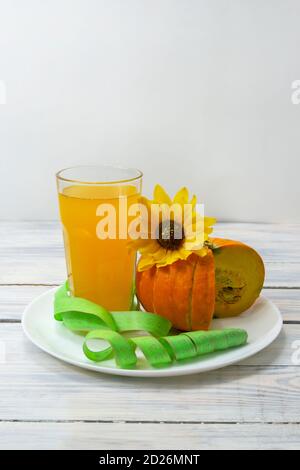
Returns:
<point x="262" y="321"/>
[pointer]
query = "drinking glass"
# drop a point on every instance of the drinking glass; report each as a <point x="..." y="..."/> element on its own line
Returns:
<point x="100" y="268"/>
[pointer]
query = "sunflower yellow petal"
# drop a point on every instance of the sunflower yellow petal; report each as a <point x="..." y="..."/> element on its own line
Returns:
<point x="167" y="259"/>
<point x="145" y="263"/>
<point x="150" y="248"/>
<point x="193" y="201"/>
<point x="160" y="196"/>
<point x="182" y="196"/>
<point x="209" y="221"/>
<point x="183" y="253"/>
<point x="208" y="230"/>
<point x="160" y="253"/>
<point x="173" y="256"/>
<point x="193" y="245"/>
<point x="202" y="252"/>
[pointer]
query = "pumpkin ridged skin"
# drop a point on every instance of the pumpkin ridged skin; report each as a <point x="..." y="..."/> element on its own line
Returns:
<point x="203" y="298"/>
<point x="239" y="276"/>
<point x="183" y="292"/>
<point x="145" y="284"/>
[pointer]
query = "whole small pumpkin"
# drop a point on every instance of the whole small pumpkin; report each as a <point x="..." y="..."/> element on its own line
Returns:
<point x="183" y="292"/>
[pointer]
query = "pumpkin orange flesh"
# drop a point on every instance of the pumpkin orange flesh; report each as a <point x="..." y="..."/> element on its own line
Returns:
<point x="239" y="277"/>
<point x="183" y="292"/>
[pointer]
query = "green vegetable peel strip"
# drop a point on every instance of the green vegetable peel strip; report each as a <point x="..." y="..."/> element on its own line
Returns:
<point x="141" y="321"/>
<point x="216" y="340"/>
<point x="159" y="349"/>
<point x="180" y="347"/>
<point x="123" y="349"/>
<point x="153" y="350"/>
<point x="64" y="302"/>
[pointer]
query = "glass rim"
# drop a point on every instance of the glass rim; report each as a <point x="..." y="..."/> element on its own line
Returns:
<point x="139" y="175"/>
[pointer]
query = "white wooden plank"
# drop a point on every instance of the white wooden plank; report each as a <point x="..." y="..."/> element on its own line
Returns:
<point x="232" y="394"/>
<point x="275" y="242"/>
<point x="47" y="270"/>
<point x="32" y="252"/>
<point x="282" y="275"/>
<point x="13" y="300"/>
<point x="35" y="386"/>
<point x="128" y="436"/>
<point x="287" y="300"/>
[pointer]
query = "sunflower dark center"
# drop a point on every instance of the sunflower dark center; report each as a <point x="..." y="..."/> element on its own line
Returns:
<point x="170" y="234"/>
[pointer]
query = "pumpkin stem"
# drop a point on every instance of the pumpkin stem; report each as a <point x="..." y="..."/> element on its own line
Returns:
<point x="212" y="246"/>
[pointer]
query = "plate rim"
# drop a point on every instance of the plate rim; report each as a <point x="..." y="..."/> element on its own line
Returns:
<point x="164" y="372"/>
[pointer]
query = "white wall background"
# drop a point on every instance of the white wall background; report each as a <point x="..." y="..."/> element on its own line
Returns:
<point x="193" y="92"/>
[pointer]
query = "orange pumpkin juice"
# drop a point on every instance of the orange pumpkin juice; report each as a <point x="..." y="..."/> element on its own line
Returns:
<point x="101" y="270"/>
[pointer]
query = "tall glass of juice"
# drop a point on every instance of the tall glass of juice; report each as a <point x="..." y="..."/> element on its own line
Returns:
<point x="94" y="203"/>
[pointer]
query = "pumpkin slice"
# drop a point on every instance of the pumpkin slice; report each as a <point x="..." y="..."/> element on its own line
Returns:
<point x="239" y="275"/>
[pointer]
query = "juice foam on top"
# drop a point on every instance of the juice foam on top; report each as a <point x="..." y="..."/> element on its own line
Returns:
<point x="99" y="192"/>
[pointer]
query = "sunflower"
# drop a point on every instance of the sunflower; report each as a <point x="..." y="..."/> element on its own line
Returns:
<point x="171" y="230"/>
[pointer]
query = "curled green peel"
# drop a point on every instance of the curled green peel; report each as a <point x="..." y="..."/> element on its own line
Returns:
<point x="124" y="350"/>
<point x="159" y="348"/>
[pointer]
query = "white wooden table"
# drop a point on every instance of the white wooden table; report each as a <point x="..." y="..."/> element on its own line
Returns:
<point x="45" y="403"/>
